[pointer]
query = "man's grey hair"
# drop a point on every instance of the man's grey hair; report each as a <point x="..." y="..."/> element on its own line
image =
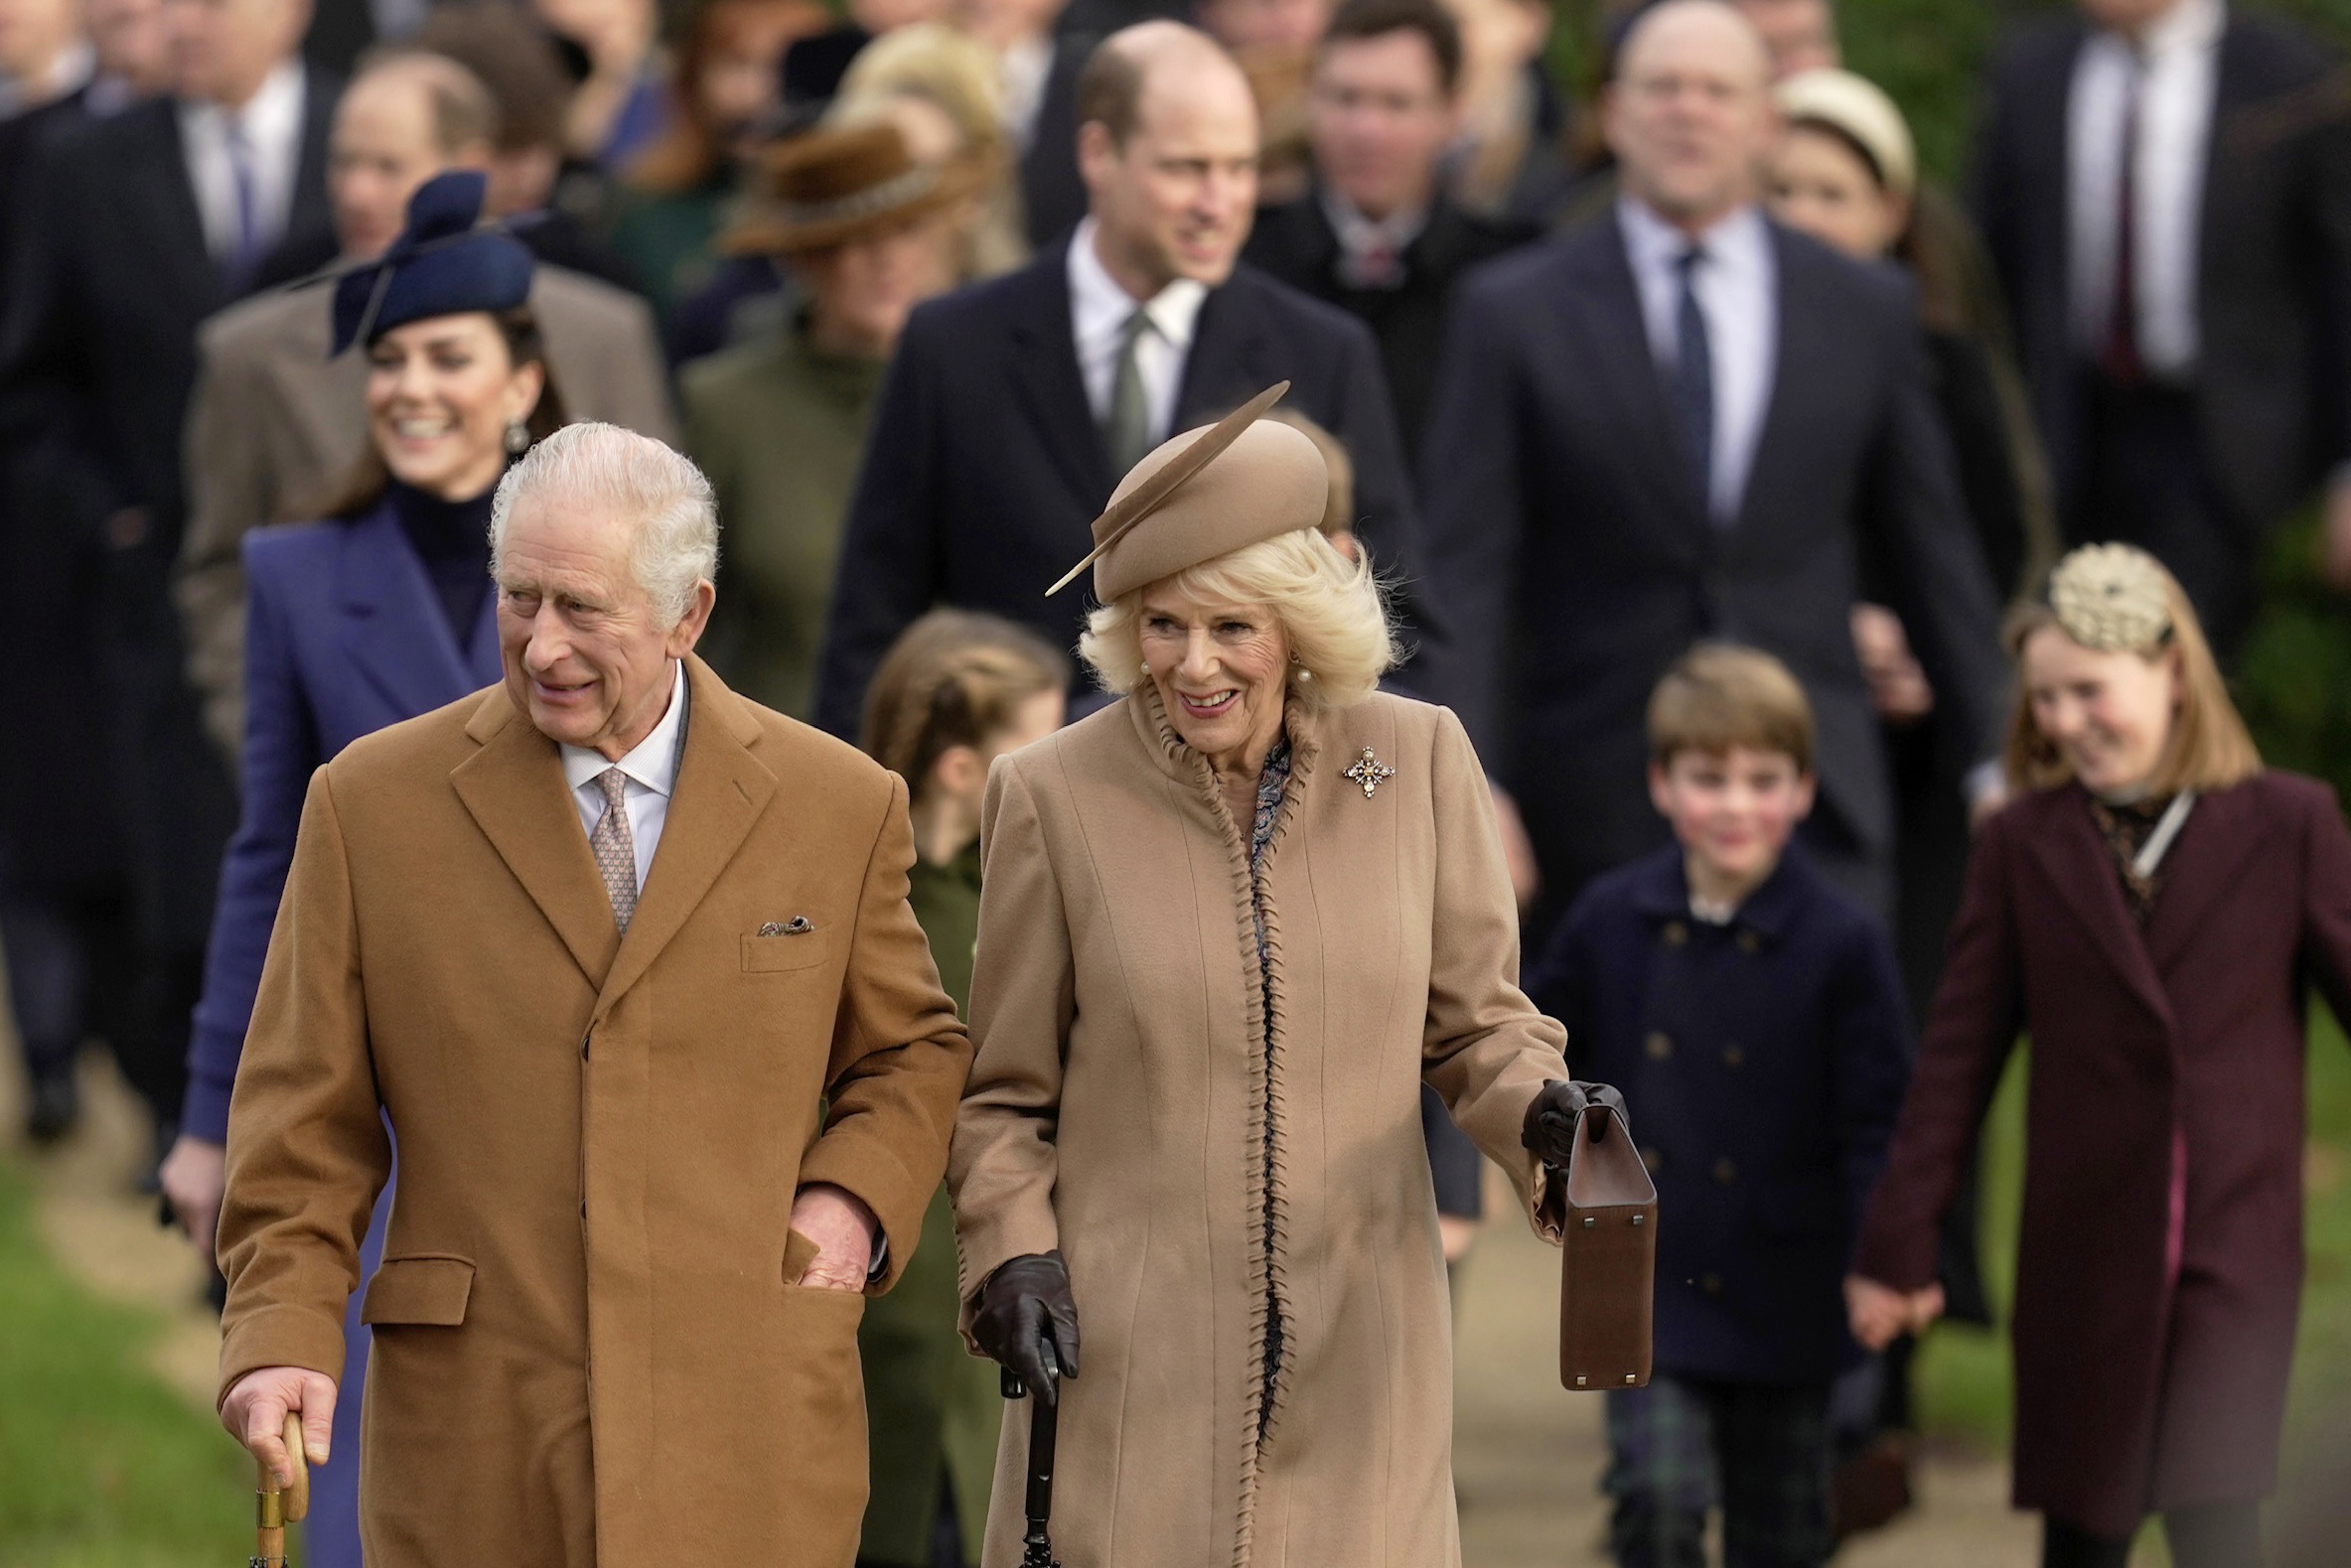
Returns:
<point x="616" y="470"/>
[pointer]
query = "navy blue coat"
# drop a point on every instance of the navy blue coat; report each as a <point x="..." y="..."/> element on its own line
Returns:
<point x="343" y="634"/>
<point x="1763" y="1064"/>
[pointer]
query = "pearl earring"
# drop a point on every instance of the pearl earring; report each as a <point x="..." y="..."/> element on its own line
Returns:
<point x="518" y="437"/>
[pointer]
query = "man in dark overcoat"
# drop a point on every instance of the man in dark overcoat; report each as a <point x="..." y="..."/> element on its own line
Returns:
<point x="1013" y="407"/>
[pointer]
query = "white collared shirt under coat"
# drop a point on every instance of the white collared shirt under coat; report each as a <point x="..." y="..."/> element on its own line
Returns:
<point x="1099" y="312"/>
<point x="272" y="124"/>
<point x="1737" y="287"/>
<point x="2179" y="67"/>
<point x="651" y="768"/>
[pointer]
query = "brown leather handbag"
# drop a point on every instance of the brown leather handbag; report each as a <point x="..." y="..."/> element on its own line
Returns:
<point x="1608" y="1278"/>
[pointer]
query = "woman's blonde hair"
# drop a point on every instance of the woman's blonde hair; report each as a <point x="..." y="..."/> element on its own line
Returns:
<point x="2209" y="747"/>
<point x="1333" y="610"/>
<point x="955" y="677"/>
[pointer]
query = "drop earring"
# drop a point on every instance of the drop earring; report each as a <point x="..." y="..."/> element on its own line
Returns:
<point x="518" y="437"/>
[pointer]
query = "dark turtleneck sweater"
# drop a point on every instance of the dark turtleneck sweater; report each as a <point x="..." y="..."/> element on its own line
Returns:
<point x="452" y="539"/>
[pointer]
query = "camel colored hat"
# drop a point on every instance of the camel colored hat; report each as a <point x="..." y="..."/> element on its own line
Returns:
<point x="828" y="187"/>
<point x="1858" y="109"/>
<point x="1204" y="493"/>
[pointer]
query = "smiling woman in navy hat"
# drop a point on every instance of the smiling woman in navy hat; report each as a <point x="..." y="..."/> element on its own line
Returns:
<point x="377" y="613"/>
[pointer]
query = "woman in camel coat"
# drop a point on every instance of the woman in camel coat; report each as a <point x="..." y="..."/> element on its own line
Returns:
<point x="1229" y="926"/>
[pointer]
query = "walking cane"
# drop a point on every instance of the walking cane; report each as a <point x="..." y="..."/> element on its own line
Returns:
<point x="277" y="1508"/>
<point x="1036" y="1547"/>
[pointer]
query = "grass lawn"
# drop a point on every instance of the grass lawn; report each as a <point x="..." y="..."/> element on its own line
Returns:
<point x="1963" y="1377"/>
<point x="101" y="1466"/>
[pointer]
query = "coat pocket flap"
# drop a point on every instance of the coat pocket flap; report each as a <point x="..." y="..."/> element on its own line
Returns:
<point x="804" y="949"/>
<point x="419" y="1290"/>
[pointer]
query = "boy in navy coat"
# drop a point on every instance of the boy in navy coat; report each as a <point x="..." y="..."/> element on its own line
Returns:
<point x="1754" y="1014"/>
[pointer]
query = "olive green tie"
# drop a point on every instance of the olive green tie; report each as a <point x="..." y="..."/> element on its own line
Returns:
<point x="1126" y="434"/>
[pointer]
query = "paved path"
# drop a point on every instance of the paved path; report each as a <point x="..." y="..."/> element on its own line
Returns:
<point x="1528" y="1454"/>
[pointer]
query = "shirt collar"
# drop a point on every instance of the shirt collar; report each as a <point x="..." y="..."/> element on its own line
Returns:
<point x="1101" y="305"/>
<point x="1358" y="234"/>
<point x="653" y="762"/>
<point x="1659" y="890"/>
<point x="271" y="116"/>
<point x="1737" y="238"/>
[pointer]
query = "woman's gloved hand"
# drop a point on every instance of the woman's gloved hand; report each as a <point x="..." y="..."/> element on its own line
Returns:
<point x="1557" y="1110"/>
<point x="1024" y="1302"/>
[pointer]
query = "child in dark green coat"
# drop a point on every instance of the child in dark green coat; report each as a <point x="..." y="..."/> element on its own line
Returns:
<point x="956" y="691"/>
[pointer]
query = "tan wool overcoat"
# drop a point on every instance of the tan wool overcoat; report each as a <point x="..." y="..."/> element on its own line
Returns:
<point x="586" y="1351"/>
<point x="1124" y="1107"/>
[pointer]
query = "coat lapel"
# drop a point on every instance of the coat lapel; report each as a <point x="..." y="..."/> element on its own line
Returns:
<point x="2083" y="870"/>
<point x="1229" y="363"/>
<point x="1799" y="362"/>
<point x="1045" y="377"/>
<point x="171" y="204"/>
<point x="514" y="786"/>
<point x="394" y="625"/>
<point x="2221" y="842"/>
<point x="722" y="791"/>
<point x="1610" y="302"/>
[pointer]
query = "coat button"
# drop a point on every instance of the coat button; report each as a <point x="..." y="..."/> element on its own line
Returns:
<point x="1711" y="1284"/>
<point x="1733" y="1057"/>
<point x="1654" y="1158"/>
<point x="1676" y="933"/>
<point x="1725" y="1172"/>
<point x="1750" y="942"/>
<point x="1658" y="1047"/>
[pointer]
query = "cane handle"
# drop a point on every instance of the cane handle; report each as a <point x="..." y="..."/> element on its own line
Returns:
<point x="298" y="1495"/>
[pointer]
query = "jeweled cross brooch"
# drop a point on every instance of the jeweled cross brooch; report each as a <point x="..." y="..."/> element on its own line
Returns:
<point x="1369" y="771"/>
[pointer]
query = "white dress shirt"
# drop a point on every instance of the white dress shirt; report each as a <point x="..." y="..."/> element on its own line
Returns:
<point x="271" y="123"/>
<point x="1099" y="312"/>
<point x="651" y="772"/>
<point x="2178" y="64"/>
<point x="1738" y="288"/>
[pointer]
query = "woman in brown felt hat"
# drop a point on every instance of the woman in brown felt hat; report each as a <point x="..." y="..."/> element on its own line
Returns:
<point x="1227" y="927"/>
<point x="778" y="422"/>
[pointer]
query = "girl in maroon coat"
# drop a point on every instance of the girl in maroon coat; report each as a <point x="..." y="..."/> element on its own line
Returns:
<point x="2150" y="912"/>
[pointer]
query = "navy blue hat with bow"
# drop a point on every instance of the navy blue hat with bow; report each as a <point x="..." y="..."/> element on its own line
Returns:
<point x="441" y="265"/>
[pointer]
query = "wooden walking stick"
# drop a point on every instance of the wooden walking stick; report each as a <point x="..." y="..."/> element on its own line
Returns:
<point x="1036" y="1546"/>
<point x="275" y="1509"/>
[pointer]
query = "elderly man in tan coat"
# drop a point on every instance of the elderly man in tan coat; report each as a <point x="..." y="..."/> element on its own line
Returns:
<point x="625" y="963"/>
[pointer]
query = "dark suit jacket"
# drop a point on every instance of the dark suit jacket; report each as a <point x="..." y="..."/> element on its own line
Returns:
<point x="1572" y="558"/>
<point x="1051" y="195"/>
<point x="97" y="358"/>
<point x="1764" y="1061"/>
<point x="2134" y="1393"/>
<point x="984" y="471"/>
<point x="1296" y="243"/>
<point x="2274" y="277"/>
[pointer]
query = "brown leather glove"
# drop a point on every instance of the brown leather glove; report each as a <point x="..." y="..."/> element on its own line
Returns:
<point x="1025" y="1303"/>
<point x="1557" y="1110"/>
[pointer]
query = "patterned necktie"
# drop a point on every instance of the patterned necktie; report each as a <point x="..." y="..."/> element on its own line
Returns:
<point x="1126" y="434"/>
<point x="1694" y="379"/>
<point x="616" y="847"/>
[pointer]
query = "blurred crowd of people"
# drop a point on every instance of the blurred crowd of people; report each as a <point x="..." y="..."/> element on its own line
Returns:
<point x="1697" y="350"/>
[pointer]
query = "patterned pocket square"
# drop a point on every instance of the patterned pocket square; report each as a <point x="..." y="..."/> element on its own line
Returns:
<point x="797" y="925"/>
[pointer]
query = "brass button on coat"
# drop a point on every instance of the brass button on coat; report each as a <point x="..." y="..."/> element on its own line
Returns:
<point x="1711" y="1284"/>
<point x="1658" y="1047"/>
<point x="1750" y="942"/>
<point x="1725" y="1172"/>
<point x="1676" y="933"/>
<point x="1654" y="1158"/>
<point x="1733" y="1057"/>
